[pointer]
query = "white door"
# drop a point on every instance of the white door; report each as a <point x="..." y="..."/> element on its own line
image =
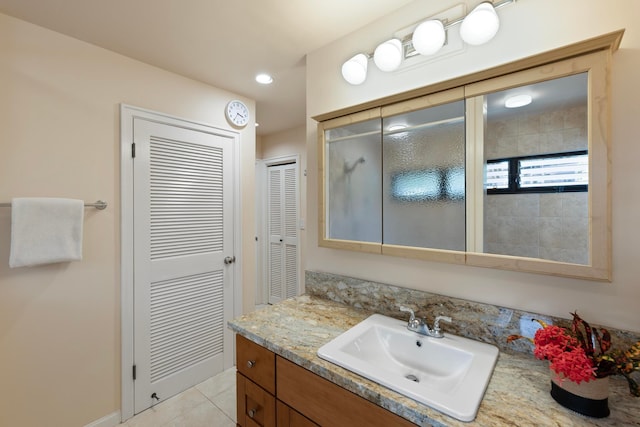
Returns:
<point x="183" y="250"/>
<point x="282" y="224"/>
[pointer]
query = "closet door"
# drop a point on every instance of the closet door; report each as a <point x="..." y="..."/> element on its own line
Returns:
<point x="282" y="225"/>
<point x="183" y="249"/>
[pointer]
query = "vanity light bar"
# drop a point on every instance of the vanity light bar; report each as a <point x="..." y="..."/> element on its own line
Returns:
<point x="477" y="27"/>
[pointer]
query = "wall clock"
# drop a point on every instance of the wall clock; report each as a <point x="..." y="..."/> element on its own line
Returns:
<point x="237" y="113"/>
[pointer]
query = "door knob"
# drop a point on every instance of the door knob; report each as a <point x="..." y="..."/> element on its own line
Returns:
<point x="229" y="260"/>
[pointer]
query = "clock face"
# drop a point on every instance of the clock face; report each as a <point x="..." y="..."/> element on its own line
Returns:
<point x="237" y="113"/>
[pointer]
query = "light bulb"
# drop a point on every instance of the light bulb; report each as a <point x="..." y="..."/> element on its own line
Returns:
<point x="388" y="55"/>
<point x="428" y="37"/>
<point x="481" y="25"/>
<point x="354" y="71"/>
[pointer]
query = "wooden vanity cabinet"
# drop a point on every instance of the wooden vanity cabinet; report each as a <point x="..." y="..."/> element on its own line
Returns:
<point x="255" y="384"/>
<point x="274" y="392"/>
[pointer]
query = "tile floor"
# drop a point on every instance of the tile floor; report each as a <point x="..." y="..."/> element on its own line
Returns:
<point x="211" y="403"/>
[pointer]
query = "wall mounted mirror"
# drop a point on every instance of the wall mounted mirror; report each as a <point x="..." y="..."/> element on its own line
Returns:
<point x="507" y="172"/>
<point x="536" y="151"/>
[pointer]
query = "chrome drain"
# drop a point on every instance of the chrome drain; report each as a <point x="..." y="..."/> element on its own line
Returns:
<point x="412" y="378"/>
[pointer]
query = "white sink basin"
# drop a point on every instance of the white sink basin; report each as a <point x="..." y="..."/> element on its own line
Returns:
<point x="449" y="374"/>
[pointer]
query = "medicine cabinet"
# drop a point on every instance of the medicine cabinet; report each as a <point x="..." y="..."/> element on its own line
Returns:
<point x="456" y="173"/>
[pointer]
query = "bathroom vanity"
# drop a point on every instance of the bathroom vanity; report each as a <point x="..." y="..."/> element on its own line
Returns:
<point x="298" y="392"/>
<point x="282" y="382"/>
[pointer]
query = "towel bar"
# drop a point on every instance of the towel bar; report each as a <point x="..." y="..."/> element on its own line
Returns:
<point x="98" y="204"/>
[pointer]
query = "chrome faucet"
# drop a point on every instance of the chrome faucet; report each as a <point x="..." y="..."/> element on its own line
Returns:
<point x="418" y="325"/>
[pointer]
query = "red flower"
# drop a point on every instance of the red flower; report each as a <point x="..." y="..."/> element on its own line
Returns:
<point x="574" y="365"/>
<point x="567" y="357"/>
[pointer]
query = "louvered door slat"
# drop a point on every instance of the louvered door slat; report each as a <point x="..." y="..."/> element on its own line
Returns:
<point x="291" y="271"/>
<point x="179" y="161"/>
<point x="194" y="337"/>
<point x="290" y="207"/>
<point x="275" y="271"/>
<point x="275" y="203"/>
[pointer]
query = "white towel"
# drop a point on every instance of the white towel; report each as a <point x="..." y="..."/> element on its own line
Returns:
<point x="45" y="230"/>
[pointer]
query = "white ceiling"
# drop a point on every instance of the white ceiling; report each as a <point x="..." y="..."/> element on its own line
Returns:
<point x="224" y="43"/>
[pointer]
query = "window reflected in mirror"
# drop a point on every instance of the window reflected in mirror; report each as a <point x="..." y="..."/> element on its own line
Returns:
<point x="536" y="202"/>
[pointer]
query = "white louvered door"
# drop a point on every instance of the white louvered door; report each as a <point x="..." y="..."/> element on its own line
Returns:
<point x="183" y="221"/>
<point x="283" y="231"/>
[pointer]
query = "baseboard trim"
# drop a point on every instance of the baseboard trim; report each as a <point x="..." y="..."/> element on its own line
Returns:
<point x="110" y="420"/>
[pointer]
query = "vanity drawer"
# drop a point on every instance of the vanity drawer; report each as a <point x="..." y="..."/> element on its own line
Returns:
<point x="328" y="404"/>
<point x="255" y="407"/>
<point x="256" y="363"/>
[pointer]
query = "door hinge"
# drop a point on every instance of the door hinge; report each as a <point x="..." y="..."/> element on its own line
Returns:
<point x="133" y="149"/>
<point x="134" y="372"/>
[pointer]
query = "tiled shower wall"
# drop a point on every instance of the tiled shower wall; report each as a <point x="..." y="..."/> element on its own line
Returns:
<point x="551" y="226"/>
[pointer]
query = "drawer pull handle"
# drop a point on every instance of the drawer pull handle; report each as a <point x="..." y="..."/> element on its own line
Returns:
<point x="251" y="363"/>
<point x="252" y="413"/>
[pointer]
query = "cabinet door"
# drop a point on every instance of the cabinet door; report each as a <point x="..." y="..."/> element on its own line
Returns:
<point x="255" y="407"/>
<point x="289" y="417"/>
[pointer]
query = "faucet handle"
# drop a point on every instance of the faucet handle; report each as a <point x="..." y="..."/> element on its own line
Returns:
<point x="436" y="323"/>
<point x="413" y="321"/>
<point x="408" y="310"/>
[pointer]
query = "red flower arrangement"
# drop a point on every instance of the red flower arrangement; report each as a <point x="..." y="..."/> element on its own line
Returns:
<point x="566" y="357"/>
<point x="572" y="354"/>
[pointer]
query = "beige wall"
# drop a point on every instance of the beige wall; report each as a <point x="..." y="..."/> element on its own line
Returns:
<point x="285" y="143"/>
<point x="59" y="137"/>
<point x="528" y="28"/>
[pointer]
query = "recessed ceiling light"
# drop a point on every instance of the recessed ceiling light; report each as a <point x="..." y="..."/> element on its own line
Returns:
<point x="264" y="79"/>
<point x="517" y="101"/>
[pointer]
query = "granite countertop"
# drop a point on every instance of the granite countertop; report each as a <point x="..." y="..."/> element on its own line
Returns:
<point x="517" y="395"/>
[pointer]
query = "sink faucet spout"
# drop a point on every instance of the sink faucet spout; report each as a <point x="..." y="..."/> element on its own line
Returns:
<point x="418" y="325"/>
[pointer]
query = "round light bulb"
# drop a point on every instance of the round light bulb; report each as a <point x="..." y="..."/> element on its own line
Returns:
<point x="354" y="71"/>
<point x="388" y="55"/>
<point x="428" y="37"/>
<point x="481" y="25"/>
